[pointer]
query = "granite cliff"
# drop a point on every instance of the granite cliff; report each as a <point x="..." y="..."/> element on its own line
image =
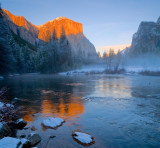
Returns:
<point x="40" y="34"/>
<point x="146" y="39"/>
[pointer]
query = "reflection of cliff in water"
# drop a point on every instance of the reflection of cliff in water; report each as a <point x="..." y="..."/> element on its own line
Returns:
<point x="66" y="106"/>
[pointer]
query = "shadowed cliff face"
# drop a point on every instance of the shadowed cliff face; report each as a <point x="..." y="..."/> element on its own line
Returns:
<point x="146" y="39"/>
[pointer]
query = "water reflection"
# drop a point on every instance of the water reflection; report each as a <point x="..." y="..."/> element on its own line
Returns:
<point x="115" y="87"/>
<point x="66" y="106"/>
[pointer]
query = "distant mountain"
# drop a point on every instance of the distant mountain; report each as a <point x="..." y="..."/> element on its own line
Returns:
<point x="116" y="48"/>
<point x="55" y="46"/>
<point x="146" y="39"/>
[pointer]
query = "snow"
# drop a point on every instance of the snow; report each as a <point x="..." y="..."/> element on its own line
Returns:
<point x="1" y="126"/>
<point x="9" y="142"/>
<point x="60" y="18"/>
<point x="52" y="122"/>
<point x="23" y="140"/>
<point x="16" y="98"/>
<point x="19" y="121"/>
<point x="86" y="69"/>
<point x="83" y="137"/>
<point x="32" y="134"/>
<point x="1" y="104"/>
<point x="8" y="105"/>
<point x="1" y="77"/>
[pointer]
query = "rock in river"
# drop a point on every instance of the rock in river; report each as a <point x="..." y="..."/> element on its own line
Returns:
<point x="34" y="139"/>
<point x="83" y="138"/>
<point x="53" y="122"/>
<point x="4" y="130"/>
<point x="20" y="124"/>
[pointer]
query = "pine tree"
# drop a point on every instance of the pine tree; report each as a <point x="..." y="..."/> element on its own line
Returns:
<point x="6" y="57"/>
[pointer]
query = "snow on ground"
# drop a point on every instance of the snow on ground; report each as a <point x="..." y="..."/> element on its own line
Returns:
<point x="8" y="105"/>
<point x="1" y="104"/>
<point x="138" y="69"/>
<point x="52" y="122"/>
<point x="101" y="68"/>
<point x="9" y="142"/>
<point x="85" y="69"/>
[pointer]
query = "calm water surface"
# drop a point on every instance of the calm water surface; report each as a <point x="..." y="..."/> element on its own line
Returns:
<point x="120" y="111"/>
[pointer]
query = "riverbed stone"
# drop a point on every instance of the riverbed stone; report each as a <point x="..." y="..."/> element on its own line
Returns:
<point x="33" y="128"/>
<point x="4" y="130"/>
<point x="20" y="124"/>
<point x="34" y="138"/>
<point x="25" y="143"/>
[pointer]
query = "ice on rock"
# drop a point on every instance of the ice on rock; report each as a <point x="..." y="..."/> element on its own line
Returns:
<point x="9" y="142"/>
<point x="83" y="138"/>
<point x="52" y="122"/>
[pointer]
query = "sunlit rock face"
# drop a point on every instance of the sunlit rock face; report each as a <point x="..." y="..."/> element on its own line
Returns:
<point x="146" y="39"/>
<point x="70" y="27"/>
<point x="20" y="26"/>
<point x="43" y="33"/>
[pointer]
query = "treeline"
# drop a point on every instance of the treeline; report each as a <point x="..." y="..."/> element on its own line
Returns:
<point x="19" y="56"/>
<point x="114" y="61"/>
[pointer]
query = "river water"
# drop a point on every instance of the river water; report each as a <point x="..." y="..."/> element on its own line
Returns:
<point x="119" y="111"/>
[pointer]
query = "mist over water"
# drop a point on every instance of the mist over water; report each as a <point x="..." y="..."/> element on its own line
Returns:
<point x="118" y="110"/>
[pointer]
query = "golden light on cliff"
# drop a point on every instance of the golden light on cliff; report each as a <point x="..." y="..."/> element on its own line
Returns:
<point x="71" y="28"/>
<point x="45" y="31"/>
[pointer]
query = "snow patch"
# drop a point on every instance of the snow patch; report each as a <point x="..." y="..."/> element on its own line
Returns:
<point x="53" y="122"/>
<point x="19" y="120"/>
<point x="7" y="105"/>
<point x="1" y="104"/>
<point x="83" y="138"/>
<point x="9" y="142"/>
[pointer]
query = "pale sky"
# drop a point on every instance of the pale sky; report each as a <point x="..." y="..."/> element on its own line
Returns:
<point x="105" y="22"/>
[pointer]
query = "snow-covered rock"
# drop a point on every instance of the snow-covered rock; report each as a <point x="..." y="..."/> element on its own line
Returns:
<point x="53" y="122"/>
<point x="34" y="139"/>
<point x="83" y="138"/>
<point x="7" y="105"/>
<point x="9" y="142"/>
<point x="4" y="130"/>
<point x="20" y="123"/>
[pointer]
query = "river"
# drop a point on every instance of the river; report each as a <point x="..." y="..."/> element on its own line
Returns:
<point x="119" y="111"/>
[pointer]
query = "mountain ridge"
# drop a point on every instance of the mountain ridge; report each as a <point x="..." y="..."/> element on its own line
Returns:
<point x="45" y="31"/>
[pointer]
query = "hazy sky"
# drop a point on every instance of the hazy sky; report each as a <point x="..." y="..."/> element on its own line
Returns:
<point x="105" y="22"/>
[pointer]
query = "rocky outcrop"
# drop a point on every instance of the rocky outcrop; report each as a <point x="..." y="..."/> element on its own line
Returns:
<point x="38" y="35"/>
<point x="21" y="27"/>
<point x="146" y="39"/>
<point x="34" y="138"/>
<point x="20" y="124"/>
<point x="4" y="130"/>
<point x="71" y="28"/>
